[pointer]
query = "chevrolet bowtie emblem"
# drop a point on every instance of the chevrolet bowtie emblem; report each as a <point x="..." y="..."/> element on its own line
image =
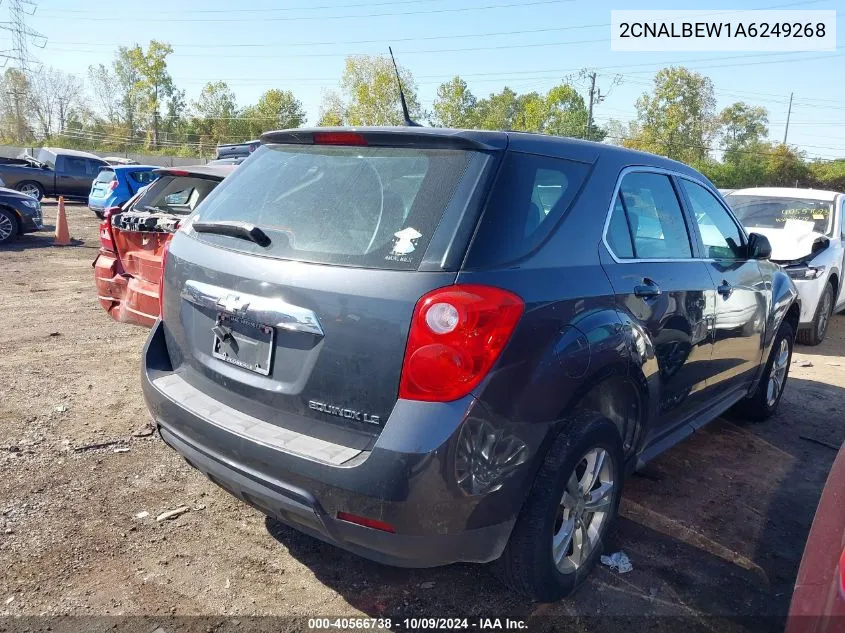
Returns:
<point x="233" y="304"/>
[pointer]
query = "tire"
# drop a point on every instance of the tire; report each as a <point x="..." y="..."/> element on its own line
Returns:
<point x="32" y="189"/>
<point x="527" y="565"/>
<point x="815" y="334"/>
<point x="9" y="226"/>
<point x="761" y="405"/>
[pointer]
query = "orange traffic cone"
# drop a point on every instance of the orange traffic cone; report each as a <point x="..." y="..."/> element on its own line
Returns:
<point x="62" y="232"/>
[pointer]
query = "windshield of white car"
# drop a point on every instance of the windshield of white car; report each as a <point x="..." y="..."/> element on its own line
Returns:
<point x="771" y="212"/>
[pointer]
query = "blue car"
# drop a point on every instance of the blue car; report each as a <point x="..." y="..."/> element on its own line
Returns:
<point x="114" y="185"/>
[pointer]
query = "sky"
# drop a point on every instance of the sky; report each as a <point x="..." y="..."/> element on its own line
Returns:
<point x="300" y="45"/>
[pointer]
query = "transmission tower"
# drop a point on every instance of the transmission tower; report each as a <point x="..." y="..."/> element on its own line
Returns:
<point x="21" y="35"/>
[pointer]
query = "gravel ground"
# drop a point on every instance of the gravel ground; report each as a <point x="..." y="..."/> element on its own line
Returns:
<point x="714" y="528"/>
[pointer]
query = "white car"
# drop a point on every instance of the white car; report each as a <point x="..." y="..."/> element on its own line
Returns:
<point x="805" y="228"/>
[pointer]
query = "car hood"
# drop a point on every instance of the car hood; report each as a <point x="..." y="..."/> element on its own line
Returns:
<point x="794" y="241"/>
<point x="6" y="194"/>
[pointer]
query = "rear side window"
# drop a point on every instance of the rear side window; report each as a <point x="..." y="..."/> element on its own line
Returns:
<point x="142" y="177"/>
<point x="175" y="194"/>
<point x="648" y="207"/>
<point x="530" y="195"/>
<point x="106" y="175"/>
<point x="374" y="207"/>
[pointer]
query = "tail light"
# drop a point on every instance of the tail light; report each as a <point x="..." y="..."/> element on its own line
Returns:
<point x="164" y="251"/>
<point x="106" y="235"/>
<point x="339" y="138"/>
<point x="456" y="335"/>
<point x="112" y="185"/>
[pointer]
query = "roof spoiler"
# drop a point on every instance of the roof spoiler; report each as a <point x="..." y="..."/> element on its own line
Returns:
<point x="411" y="137"/>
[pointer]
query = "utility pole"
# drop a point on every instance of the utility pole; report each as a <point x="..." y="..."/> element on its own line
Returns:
<point x="595" y="97"/>
<point x="155" y="119"/>
<point x="788" y="113"/>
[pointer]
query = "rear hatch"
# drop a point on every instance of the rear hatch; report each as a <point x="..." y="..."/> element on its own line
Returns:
<point x="141" y="231"/>
<point x="104" y="183"/>
<point x="289" y="294"/>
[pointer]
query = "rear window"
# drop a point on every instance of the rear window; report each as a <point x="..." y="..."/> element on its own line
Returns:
<point x="143" y="177"/>
<point x="371" y="207"/>
<point x="530" y="195"/>
<point x="175" y="194"/>
<point x="106" y="175"/>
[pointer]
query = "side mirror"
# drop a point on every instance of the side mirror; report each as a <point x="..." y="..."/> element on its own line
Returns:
<point x="759" y="247"/>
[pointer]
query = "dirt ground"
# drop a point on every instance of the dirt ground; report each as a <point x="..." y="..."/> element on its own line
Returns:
<point x="714" y="528"/>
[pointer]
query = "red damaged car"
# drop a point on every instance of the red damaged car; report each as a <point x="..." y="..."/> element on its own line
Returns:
<point x="818" y="602"/>
<point x="132" y="239"/>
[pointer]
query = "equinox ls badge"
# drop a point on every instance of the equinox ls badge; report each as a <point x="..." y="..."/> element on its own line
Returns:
<point x="348" y="414"/>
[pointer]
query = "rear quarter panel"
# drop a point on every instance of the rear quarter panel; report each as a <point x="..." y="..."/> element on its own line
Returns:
<point x="570" y="337"/>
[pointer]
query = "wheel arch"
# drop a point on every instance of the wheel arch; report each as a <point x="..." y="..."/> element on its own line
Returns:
<point x="834" y="280"/>
<point x="15" y="213"/>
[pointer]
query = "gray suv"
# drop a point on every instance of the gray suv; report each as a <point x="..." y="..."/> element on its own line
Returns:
<point x="428" y="346"/>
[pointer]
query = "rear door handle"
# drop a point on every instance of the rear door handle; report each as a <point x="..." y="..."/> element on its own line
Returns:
<point x="725" y="289"/>
<point x="647" y="290"/>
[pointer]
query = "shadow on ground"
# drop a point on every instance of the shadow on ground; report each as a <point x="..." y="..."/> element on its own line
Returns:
<point x="42" y="239"/>
<point x="715" y="528"/>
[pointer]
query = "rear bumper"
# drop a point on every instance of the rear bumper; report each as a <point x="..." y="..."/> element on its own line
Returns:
<point x="125" y="298"/>
<point x="403" y="480"/>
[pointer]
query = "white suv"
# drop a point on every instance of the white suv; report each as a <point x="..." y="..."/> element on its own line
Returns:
<point x="805" y="228"/>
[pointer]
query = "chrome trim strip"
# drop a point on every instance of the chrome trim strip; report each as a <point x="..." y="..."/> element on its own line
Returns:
<point x="266" y="310"/>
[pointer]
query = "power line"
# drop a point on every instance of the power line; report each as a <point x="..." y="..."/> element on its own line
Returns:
<point x="60" y="12"/>
<point x="376" y="41"/>
<point x="330" y="17"/>
<point x="267" y="10"/>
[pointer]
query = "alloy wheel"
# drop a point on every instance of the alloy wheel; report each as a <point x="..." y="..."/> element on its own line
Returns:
<point x="6" y="227"/>
<point x="584" y="510"/>
<point x="824" y="315"/>
<point x="30" y="190"/>
<point x="777" y="375"/>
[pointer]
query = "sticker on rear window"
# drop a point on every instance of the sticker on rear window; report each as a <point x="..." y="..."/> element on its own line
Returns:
<point x="406" y="241"/>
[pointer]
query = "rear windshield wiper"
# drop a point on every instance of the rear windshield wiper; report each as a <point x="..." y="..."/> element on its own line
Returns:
<point x="242" y="230"/>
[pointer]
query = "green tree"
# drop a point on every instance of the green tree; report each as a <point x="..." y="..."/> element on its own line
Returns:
<point x="214" y="113"/>
<point x="828" y="174"/>
<point x="370" y="93"/>
<point x="332" y="110"/>
<point x="742" y="127"/>
<point x="567" y="114"/>
<point x="276" y="109"/>
<point x="785" y="167"/>
<point x="455" y="105"/>
<point x="499" y="111"/>
<point x="156" y="84"/>
<point x="677" y="119"/>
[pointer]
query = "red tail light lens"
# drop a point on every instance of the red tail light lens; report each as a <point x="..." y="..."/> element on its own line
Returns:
<point x="164" y="252"/>
<point x="339" y="138"/>
<point x="106" y="235"/>
<point x="112" y="185"/>
<point x="457" y="333"/>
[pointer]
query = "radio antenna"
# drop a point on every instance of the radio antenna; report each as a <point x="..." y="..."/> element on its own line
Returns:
<point x="405" y="113"/>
